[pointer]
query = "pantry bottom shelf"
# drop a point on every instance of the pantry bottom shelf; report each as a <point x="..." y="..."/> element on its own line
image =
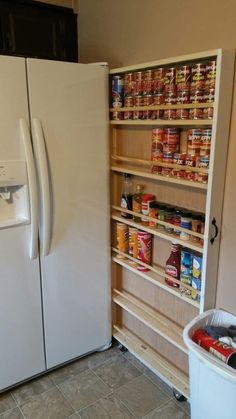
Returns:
<point x="160" y="366"/>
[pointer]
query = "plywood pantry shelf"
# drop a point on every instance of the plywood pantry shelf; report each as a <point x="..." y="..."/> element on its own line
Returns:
<point x="144" y="162"/>
<point x="146" y="174"/>
<point x="157" y="363"/>
<point x="164" y="122"/>
<point x="164" y="107"/>
<point x="151" y="318"/>
<point x="166" y="236"/>
<point x="155" y="276"/>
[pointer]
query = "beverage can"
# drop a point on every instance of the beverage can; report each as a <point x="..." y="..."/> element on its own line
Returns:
<point x="117" y="91"/>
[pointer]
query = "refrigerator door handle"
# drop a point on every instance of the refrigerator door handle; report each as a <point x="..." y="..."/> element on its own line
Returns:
<point x="32" y="182"/>
<point x="43" y="174"/>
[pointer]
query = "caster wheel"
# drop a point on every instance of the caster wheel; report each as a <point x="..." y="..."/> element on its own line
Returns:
<point x="179" y="396"/>
<point x="122" y="348"/>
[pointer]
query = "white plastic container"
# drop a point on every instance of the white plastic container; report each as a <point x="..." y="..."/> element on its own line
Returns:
<point x="212" y="383"/>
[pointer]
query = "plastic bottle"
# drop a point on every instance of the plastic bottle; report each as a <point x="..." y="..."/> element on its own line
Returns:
<point x="127" y="195"/>
<point x="173" y="265"/>
<point x="137" y="202"/>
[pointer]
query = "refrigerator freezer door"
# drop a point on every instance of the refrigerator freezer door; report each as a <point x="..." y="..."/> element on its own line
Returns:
<point x="21" y="330"/>
<point x="69" y="102"/>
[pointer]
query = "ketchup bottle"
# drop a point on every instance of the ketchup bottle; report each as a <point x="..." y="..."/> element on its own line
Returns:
<point x="173" y="265"/>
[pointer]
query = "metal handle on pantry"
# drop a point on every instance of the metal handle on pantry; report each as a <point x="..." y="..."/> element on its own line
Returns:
<point x="216" y="230"/>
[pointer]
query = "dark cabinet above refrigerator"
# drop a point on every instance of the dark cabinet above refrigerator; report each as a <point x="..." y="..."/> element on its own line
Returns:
<point x="34" y="29"/>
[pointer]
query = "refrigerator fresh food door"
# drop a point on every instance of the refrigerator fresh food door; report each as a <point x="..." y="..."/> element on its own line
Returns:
<point x="69" y="118"/>
<point x="21" y="330"/>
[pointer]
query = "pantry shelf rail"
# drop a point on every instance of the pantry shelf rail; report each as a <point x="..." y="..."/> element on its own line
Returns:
<point x="163" y="122"/>
<point x="163" y="107"/>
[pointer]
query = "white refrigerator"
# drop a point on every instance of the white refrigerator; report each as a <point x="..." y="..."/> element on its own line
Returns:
<point x="54" y="215"/>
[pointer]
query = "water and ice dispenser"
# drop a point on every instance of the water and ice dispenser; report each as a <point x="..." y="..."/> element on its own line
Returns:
<point x="14" y="199"/>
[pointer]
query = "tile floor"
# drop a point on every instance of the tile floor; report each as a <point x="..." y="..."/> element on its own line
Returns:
<point x="105" y="385"/>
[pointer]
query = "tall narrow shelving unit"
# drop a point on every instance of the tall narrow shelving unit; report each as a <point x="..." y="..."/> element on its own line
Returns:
<point x="149" y="315"/>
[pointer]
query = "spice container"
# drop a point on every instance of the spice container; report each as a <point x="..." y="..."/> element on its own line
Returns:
<point x="196" y="226"/>
<point x="186" y="222"/>
<point x="146" y="199"/>
<point x="161" y="216"/>
<point x="153" y="212"/>
<point x="169" y="218"/>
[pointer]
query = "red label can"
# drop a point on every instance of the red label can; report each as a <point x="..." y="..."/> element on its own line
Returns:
<point x="128" y="115"/>
<point x="129" y="101"/>
<point x="169" y="114"/>
<point x="158" y="99"/>
<point x="208" y="113"/>
<point x="182" y="114"/>
<point x="196" y="113"/>
<point x="170" y="98"/>
<point x="158" y="80"/>
<point x="182" y="97"/>
<point x="148" y="100"/>
<point x="144" y="249"/>
<point x="138" y="91"/>
<point x="129" y="84"/>
<point x="198" y="76"/>
<point x="221" y="350"/>
<point x="183" y="77"/>
<point x="148" y="82"/>
<point x="169" y="80"/>
<point x="197" y="96"/>
<point x="210" y="74"/>
<point x="117" y="116"/>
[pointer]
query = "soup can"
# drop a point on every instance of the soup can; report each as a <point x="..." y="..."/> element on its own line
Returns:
<point x="129" y="85"/>
<point x="148" y="82"/>
<point x="158" y="80"/>
<point x="169" y="80"/>
<point x="133" y="244"/>
<point x="210" y="74"/>
<point x="196" y="113"/>
<point x="183" y="77"/>
<point x="169" y="114"/>
<point x="138" y="89"/>
<point x="198" y="76"/>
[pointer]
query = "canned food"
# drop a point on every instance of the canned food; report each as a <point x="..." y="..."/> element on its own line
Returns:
<point x="186" y="267"/>
<point x="190" y="160"/>
<point x="167" y="157"/>
<point x="117" y="115"/>
<point x="128" y="115"/>
<point x="157" y="170"/>
<point x="167" y="171"/>
<point x="210" y="74"/>
<point x="122" y="238"/>
<point x="196" y="113"/>
<point x="138" y="101"/>
<point x="194" y="141"/>
<point x="197" y="96"/>
<point x="190" y="176"/>
<point x="182" y="97"/>
<point x="117" y="91"/>
<point x="221" y="350"/>
<point x="157" y="114"/>
<point x="147" y="114"/>
<point x="148" y="82"/>
<point x="209" y="95"/>
<point x="180" y="174"/>
<point x="158" y="80"/>
<point x="157" y="143"/>
<point x="196" y="284"/>
<point x="138" y="91"/>
<point x="158" y="99"/>
<point x="198" y="76"/>
<point x="169" y="80"/>
<point x="144" y="249"/>
<point x="129" y="85"/>
<point x="171" y="140"/>
<point x="182" y="114"/>
<point x="202" y="177"/>
<point x="183" y="77"/>
<point x="206" y="142"/>
<point x="133" y="243"/>
<point x="170" y="98"/>
<point x="208" y="113"/>
<point x="137" y="114"/>
<point x="169" y="114"/>
<point x="153" y="213"/>
<point x="148" y="100"/>
<point x="129" y="101"/>
<point x="179" y="158"/>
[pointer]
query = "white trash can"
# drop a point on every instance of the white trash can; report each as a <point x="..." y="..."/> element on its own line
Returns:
<point x="212" y="382"/>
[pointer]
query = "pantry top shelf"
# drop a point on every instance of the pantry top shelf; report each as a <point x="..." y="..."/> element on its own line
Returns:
<point x="164" y="62"/>
<point x="162" y="122"/>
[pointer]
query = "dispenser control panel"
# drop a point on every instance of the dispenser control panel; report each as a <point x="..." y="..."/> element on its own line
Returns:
<point x="12" y="173"/>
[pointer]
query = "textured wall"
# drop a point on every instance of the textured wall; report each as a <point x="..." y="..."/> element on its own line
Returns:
<point x="132" y="31"/>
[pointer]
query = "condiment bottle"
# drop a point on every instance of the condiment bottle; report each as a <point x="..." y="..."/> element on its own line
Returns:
<point x="173" y="265"/>
<point x="186" y="222"/>
<point x="169" y="218"/>
<point x="196" y="226"/>
<point x="177" y="222"/>
<point x="127" y="195"/>
<point x="137" y="202"/>
<point x="153" y="212"/>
